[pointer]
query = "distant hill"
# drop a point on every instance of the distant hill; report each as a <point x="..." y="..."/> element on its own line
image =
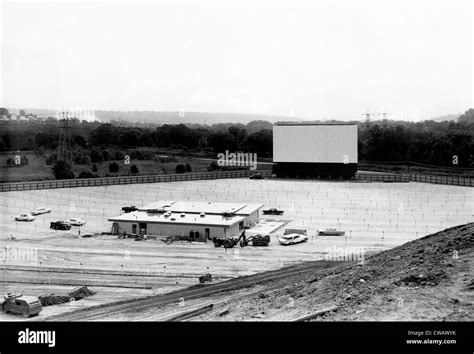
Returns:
<point x="184" y="117"/>
<point x="172" y="117"/>
<point x="446" y="117"/>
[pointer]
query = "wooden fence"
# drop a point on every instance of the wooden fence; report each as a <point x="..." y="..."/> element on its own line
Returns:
<point x="106" y="181"/>
<point x="381" y="177"/>
<point x="415" y="177"/>
<point x="451" y="180"/>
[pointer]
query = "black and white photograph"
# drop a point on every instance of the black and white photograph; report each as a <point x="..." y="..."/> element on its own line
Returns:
<point x="253" y="170"/>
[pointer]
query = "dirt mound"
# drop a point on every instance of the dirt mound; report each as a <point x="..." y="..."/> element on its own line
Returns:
<point x="82" y="292"/>
<point x="426" y="279"/>
<point x="386" y="278"/>
<point x="76" y="294"/>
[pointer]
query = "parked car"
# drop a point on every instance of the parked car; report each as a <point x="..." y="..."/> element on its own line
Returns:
<point x="39" y="211"/>
<point x="331" y="232"/>
<point x="60" y="225"/>
<point x="272" y="211"/>
<point x="291" y="239"/>
<point x="87" y="235"/>
<point x="129" y="209"/>
<point x="26" y="305"/>
<point x="256" y="176"/>
<point x="76" y="222"/>
<point x="24" y="217"/>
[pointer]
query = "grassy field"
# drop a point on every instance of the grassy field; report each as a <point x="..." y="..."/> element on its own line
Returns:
<point x="38" y="170"/>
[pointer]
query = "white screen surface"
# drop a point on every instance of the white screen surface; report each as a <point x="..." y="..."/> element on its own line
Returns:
<point x="315" y="143"/>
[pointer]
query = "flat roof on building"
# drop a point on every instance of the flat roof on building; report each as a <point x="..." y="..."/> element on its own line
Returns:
<point x="178" y="218"/>
<point x="203" y="207"/>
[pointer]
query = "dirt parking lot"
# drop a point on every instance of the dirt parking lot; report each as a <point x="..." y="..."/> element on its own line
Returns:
<point x="375" y="216"/>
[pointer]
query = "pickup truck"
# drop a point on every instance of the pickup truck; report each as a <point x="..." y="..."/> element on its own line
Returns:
<point x="60" y="225"/>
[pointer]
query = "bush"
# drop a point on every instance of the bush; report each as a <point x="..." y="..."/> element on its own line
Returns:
<point x="24" y="160"/>
<point x="82" y="158"/>
<point x="96" y="156"/>
<point x="113" y="167"/>
<point x="10" y="162"/>
<point x="213" y="166"/>
<point x="51" y="159"/>
<point x="188" y="168"/>
<point x="62" y="170"/>
<point x="180" y="169"/>
<point x="134" y="169"/>
<point x="94" y="168"/>
<point x="86" y="174"/>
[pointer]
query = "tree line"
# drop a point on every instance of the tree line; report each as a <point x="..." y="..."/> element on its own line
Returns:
<point x="428" y="142"/>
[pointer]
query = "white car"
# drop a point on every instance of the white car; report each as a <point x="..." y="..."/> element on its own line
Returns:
<point x="76" y="222"/>
<point x="24" y="217"/>
<point x="39" y="211"/>
<point x="291" y="239"/>
<point x="331" y="232"/>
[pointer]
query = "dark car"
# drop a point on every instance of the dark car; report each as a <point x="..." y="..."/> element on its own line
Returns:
<point x="272" y="211"/>
<point x="256" y="176"/>
<point x="129" y="209"/>
<point x="60" y="225"/>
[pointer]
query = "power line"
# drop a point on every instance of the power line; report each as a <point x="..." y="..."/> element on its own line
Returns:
<point x="65" y="145"/>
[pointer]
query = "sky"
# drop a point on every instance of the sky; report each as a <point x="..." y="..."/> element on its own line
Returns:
<point x="314" y="60"/>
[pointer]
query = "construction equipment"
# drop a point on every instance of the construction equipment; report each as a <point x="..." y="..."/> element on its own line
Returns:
<point x="123" y="235"/>
<point x="229" y="242"/>
<point x="205" y="278"/>
<point x="26" y="305"/>
<point x="141" y="237"/>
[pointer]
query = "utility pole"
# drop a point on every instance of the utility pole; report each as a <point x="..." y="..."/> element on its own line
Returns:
<point x="384" y="117"/>
<point x="65" y="145"/>
<point x="367" y="117"/>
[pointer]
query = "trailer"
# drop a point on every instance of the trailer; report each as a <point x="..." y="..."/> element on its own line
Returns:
<point x="26" y="305"/>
